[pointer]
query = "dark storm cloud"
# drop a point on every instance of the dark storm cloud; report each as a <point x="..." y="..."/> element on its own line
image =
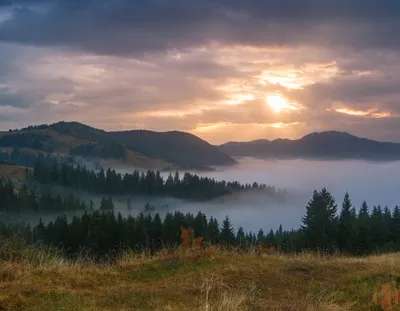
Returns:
<point x="9" y="98"/>
<point x="350" y="89"/>
<point x="126" y="27"/>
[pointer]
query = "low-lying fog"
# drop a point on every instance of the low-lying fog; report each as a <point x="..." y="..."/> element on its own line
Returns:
<point x="377" y="183"/>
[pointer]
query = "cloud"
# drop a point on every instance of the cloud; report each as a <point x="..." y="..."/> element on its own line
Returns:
<point x="371" y="113"/>
<point x="207" y="67"/>
<point x="123" y="27"/>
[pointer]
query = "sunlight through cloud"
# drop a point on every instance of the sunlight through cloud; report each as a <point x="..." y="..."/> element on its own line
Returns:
<point x="279" y="103"/>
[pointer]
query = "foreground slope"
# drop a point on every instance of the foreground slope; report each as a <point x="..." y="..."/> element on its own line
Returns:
<point x="202" y="280"/>
<point x="324" y="145"/>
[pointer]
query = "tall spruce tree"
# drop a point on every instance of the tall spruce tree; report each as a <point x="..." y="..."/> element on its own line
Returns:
<point x="347" y="226"/>
<point x="364" y="239"/>
<point x="377" y="229"/>
<point x="213" y="231"/>
<point x="200" y="225"/>
<point x="395" y="232"/>
<point x="320" y="221"/>
<point x="240" y="238"/>
<point x="261" y="237"/>
<point x="227" y="235"/>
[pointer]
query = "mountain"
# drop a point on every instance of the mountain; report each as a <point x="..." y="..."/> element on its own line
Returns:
<point x="182" y="148"/>
<point x="323" y="145"/>
<point x="138" y="147"/>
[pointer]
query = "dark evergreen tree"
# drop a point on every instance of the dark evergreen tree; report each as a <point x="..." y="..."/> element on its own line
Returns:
<point x="200" y="225"/>
<point x="213" y="231"/>
<point x="395" y="228"/>
<point x="364" y="240"/>
<point x="227" y="236"/>
<point x="106" y="204"/>
<point x="377" y="229"/>
<point x="347" y="228"/>
<point x="261" y="237"/>
<point x="110" y="182"/>
<point x="319" y="223"/>
<point x="241" y="238"/>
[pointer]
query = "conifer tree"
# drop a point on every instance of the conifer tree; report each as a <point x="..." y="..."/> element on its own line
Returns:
<point x="377" y="229"/>
<point x="395" y="232"/>
<point x="240" y="238"/>
<point x="271" y="238"/>
<point x="387" y="222"/>
<point x="227" y="235"/>
<point x="347" y="225"/>
<point x="213" y="231"/>
<point x="364" y="243"/>
<point x="319" y="223"/>
<point x="261" y="237"/>
<point x="156" y="232"/>
<point x="170" y="231"/>
<point x="200" y="225"/>
<point x="106" y="204"/>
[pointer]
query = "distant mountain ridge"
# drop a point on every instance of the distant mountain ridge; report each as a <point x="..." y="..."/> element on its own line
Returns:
<point x="176" y="149"/>
<point x="319" y="145"/>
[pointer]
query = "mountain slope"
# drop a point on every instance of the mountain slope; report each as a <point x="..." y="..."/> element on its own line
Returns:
<point x="181" y="148"/>
<point x="169" y="149"/>
<point x="323" y="145"/>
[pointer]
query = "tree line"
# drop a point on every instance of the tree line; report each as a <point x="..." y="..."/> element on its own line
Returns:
<point x="101" y="233"/>
<point x="26" y="158"/>
<point x="13" y="200"/>
<point x="326" y="229"/>
<point x="190" y="186"/>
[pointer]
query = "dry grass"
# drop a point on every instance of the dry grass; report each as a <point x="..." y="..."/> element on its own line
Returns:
<point x="13" y="172"/>
<point x="62" y="142"/>
<point x="139" y="160"/>
<point x="207" y="280"/>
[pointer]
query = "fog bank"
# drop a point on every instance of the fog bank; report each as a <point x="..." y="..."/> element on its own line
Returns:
<point x="375" y="182"/>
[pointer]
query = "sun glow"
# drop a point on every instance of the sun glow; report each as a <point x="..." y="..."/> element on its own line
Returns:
<point x="278" y="103"/>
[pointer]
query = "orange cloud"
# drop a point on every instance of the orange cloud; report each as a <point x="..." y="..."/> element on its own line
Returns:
<point x="371" y="113"/>
<point x="217" y="132"/>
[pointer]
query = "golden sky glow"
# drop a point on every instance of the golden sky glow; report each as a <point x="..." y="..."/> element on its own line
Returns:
<point x="240" y="93"/>
<point x="225" y="70"/>
<point x="371" y="113"/>
<point x="240" y="99"/>
<point x="278" y="103"/>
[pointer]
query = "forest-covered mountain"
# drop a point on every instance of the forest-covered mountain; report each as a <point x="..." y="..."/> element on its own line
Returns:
<point x="323" y="145"/>
<point x="138" y="147"/>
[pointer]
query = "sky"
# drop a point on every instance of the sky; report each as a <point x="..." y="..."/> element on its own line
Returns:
<point x="224" y="70"/>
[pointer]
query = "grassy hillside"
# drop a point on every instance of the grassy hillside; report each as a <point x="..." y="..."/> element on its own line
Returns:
<point x="180" y="148"/>
<point x="170" y="149"/>
<point x="199" y="280"/>
<point x="48" y="140"/>
<point x="13" y="172"/>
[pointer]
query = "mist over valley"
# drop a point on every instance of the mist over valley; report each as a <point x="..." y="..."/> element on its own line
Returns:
<point x="374" y="182"/>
